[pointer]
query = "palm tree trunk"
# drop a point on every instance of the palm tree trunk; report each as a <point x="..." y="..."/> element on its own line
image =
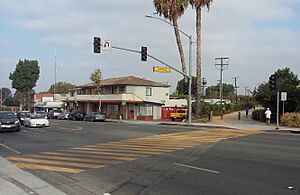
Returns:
<point x="179" y="45"/>
<point x="198" y="59"/>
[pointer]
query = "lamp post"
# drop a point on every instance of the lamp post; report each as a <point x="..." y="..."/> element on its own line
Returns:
<point x="190" y="61"/>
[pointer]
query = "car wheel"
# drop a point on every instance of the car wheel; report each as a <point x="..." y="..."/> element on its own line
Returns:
<point x="173" y="119"/>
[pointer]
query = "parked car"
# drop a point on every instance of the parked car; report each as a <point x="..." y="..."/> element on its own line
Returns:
<point x="9" y="121"/>
<point x="76" y="115"/>
<point x="63" y="116"/>
<point x="36" y="120"/>
<point x="53" y="114"/>
<point x="94" y="116"/>
<point x="22" y="115"/>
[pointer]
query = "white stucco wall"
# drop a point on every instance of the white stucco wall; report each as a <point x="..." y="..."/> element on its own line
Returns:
<point x="159" y="94"/>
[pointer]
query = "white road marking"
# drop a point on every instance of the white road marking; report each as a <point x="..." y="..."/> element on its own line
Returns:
<point x="10" y="148"/>
<point x="198" y="168"/>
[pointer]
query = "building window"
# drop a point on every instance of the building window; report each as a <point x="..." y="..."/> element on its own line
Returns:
<point x="122" y="89"/>
<point x="113" y="90"/>
<point x="148" y="91"/>
<point x="146" y="110"/>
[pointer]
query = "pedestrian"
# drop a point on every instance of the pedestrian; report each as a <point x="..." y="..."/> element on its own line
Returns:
<point x="247" y="111"/>
<point x="268" y="116"/>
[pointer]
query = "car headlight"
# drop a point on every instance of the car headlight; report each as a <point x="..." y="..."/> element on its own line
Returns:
<point x="17" y="122"/>
<point x="0" y="123"/>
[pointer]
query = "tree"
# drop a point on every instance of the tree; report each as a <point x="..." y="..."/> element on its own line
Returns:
<point x="5" y="93"/>
<point x="24" y="78"/>
<point x="180" y="88"/>
<point x="172" y="10"/>
<point x="286" y="81"/>
<point x="96" y="78"/>
<point x="214" y="91"/>
<point x="199" y="4"/>
<point x="11" y="101"/>
<point x="61" y="87"/>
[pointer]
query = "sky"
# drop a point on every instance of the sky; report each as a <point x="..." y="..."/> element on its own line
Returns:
<point x="258" y="36"/>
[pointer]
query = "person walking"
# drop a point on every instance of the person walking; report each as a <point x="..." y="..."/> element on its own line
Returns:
<point x="268" y="116"/>
<point x="247" y="111"/>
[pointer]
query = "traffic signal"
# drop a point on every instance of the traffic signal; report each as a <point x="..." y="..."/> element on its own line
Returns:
<point x="272" y="82"/>
<point x="144" y="53"/>
<point x="97" y="45"/>
<point x="194" y="88"/>
<point x="185" y="88"/>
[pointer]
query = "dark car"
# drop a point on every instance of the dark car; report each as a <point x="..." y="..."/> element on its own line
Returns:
<point x="95" y="116"/>
<point x="22" y="115"/>
<point x="76" y="115"/>
<point x="9" y="121"/>
<point x="53" y="114"/>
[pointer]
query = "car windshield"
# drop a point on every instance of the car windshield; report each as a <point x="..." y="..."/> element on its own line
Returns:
<point x="37" y="116"/>
<point x="7" y="115"/>
<point x="23" y="113"/>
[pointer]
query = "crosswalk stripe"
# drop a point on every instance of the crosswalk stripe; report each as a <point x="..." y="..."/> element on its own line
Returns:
<point x="105" y="153"/>
<point x="116" y="150"/>
<point x="31" y="160"/>
<point x="131" y="147"/>
<point x="47" y="168"/>
<point x="90" y="156"/>
<point x="72" y="159"/>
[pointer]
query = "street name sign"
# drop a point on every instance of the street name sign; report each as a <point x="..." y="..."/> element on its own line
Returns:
<point x="161" y="69"/>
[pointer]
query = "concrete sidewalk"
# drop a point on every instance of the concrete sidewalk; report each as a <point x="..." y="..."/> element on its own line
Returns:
<point x="229" y="121"/>
<point x="16" y="181"/>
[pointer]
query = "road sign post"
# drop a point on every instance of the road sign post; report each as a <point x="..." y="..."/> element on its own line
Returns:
<point x="283" y="99"/>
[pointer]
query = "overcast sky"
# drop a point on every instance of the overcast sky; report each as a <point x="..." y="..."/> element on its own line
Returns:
<point x="259" y="36"/>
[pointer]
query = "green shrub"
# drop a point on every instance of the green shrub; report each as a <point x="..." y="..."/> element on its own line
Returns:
<point x="290" y="119"/>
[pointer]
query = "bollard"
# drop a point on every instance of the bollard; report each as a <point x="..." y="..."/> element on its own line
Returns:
<point x="209" y="116"/>
<point x="239" y="115"/>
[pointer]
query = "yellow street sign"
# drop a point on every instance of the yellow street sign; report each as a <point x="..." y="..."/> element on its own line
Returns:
<point x="161" y="70"/>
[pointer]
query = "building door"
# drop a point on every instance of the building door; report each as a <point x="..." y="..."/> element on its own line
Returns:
<point x="113" y="110"/>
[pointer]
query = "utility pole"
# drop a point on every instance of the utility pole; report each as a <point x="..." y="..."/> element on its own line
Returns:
<point x="221" y="64"/>
<point x="54" y="87"/>
<point x="1" y="98"/>
<point x="236" y="88"/>
<point x="203" y="85"/>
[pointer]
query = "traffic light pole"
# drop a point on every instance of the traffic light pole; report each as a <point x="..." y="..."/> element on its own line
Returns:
<point x="175" y="69"/>
<point x="277" y="111"/>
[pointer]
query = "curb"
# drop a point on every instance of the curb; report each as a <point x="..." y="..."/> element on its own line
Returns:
<point x="283" y="131"/>
<point x="17" y="181"/>
<point x="200" y="125"/>
<point x="177" y="124"/>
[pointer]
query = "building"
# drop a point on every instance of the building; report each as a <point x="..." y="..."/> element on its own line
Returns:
<point x="48" y="101"/>
<point x="130" y="98"/>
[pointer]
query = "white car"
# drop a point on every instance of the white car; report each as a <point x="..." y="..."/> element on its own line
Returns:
<point x="35" y="120"/>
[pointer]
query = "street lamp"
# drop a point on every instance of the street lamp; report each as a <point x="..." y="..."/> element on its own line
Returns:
<point x="190" y="61"/>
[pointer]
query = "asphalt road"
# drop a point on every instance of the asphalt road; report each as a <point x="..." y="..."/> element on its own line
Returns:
<point x="116" y="158"/>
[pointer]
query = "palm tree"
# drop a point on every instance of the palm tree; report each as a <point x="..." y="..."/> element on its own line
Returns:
<point x="199" y="4"/>
<point x="172" y="10"/>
